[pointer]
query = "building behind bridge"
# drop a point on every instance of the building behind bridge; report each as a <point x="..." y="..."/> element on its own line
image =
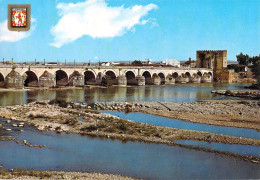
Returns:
<point x="216" y="60"/>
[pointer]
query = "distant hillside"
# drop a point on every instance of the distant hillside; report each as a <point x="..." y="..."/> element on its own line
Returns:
<point x="232" y="62"/>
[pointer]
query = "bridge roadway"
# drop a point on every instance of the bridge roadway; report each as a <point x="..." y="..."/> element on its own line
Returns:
<point x="18" y="76"/>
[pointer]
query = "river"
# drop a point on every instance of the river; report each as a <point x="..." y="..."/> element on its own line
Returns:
<point x="166" y="93"/>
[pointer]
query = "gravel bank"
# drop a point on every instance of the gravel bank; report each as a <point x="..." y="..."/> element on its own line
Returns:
<point x="241" y="93"/>
<point x="233" y="113"/>
<point x="24" y="174"/>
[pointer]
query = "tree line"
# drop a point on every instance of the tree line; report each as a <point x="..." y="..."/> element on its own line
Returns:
<point x="244" y="59"/>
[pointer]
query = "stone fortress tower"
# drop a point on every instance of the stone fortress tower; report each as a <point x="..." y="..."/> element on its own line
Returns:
<point x="216" y="60"/>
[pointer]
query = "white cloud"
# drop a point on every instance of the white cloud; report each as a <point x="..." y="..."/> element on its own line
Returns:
<point x="96" y="19"/>
<point x="13" y="36"/>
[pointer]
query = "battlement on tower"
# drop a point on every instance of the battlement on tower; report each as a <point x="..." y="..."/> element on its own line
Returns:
<point x="211" y="51"/>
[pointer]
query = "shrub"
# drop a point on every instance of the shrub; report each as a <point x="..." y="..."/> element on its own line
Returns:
<point x="228" y="92"/>
<point x="61" y="103"/>
<point x="71" y="121"/>
<point x="89" y="128"/>
<point x="122" y="127"/>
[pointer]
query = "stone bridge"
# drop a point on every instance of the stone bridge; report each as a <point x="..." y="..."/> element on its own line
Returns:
<point x="18" y="76"/>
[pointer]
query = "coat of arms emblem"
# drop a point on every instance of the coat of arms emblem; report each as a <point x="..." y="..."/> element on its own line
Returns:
<point x="19" y="17"/>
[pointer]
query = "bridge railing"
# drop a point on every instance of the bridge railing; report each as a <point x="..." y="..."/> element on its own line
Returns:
<point x="95" y="67"/>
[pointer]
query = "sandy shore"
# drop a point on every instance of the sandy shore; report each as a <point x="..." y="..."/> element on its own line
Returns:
<point x="24" y="174"/>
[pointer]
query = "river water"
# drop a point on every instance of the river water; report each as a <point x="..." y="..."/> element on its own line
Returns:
<point x="174" y="93"/>
<point x="74" y="152"/>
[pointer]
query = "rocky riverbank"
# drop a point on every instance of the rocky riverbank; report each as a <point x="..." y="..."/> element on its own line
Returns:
<point x="253" y="94"/>
<point x="26" y="174"/>
<point x="82" y="119"/>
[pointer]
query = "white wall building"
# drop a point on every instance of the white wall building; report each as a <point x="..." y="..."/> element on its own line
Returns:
<point x="173" y="62"/>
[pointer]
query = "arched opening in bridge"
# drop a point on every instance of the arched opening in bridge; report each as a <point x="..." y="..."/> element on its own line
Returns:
<point x="210" y="73"/>
<point x="61" y="78"/>
<point x="130" y="76"/>
<point x="175" y="75"/>
<point x="109" y="79"/>
<point x="148" y="77"/>
<point x="89" y="77"/>
<point x="31" y="79"/>
<point x="111" y="74"/>
<point x="199" y="73"/>
<point x="187" y="74"/>
<point x="162" y="76"/>
<point x="2" y="80"/>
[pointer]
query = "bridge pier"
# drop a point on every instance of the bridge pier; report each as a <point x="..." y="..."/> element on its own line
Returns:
<point x="14" y="80"/>
<point x="195" y="79"/>
<point x="206" y="78"/>
<point x="169" y="80"/>
<point x="122" y="81"/>
<point x="140" y="80"/>
<point x="156" y="80"/>
<point x="182" y="79"/>
<point x="47" y="80"/>
<point x="76" y="79"/>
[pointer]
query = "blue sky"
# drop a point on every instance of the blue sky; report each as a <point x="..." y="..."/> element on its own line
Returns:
<point x="111" y="30"/>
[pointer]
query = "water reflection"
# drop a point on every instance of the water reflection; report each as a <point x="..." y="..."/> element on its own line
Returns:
<point x="170" y="93"/>
<point x="233" y="148"/>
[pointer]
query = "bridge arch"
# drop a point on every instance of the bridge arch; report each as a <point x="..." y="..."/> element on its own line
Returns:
<point x="127" y="71"/>
<point x="188" y="74"/>
<point x="2" y="80"/>
<point x="199" y="73"/>
<point x="89" y="77"/>
<point x="111" y="74"/>
<point x="30" y="79"/>
<point x="91" y="70"/>
<point x="62" y="78"/>
<point x="148" y="77"/>
<point x="175" y="75"/>
<point x="130" y="77"/>
<point x="162" y="76"/>
<point x="210" y="73"/>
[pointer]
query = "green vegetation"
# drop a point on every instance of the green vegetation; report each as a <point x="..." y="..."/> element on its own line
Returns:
<point x="61" y="103"/>
<point x="137" y="62"/>
<point x="255" y="60"/>
<point x="243" y="59"/>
